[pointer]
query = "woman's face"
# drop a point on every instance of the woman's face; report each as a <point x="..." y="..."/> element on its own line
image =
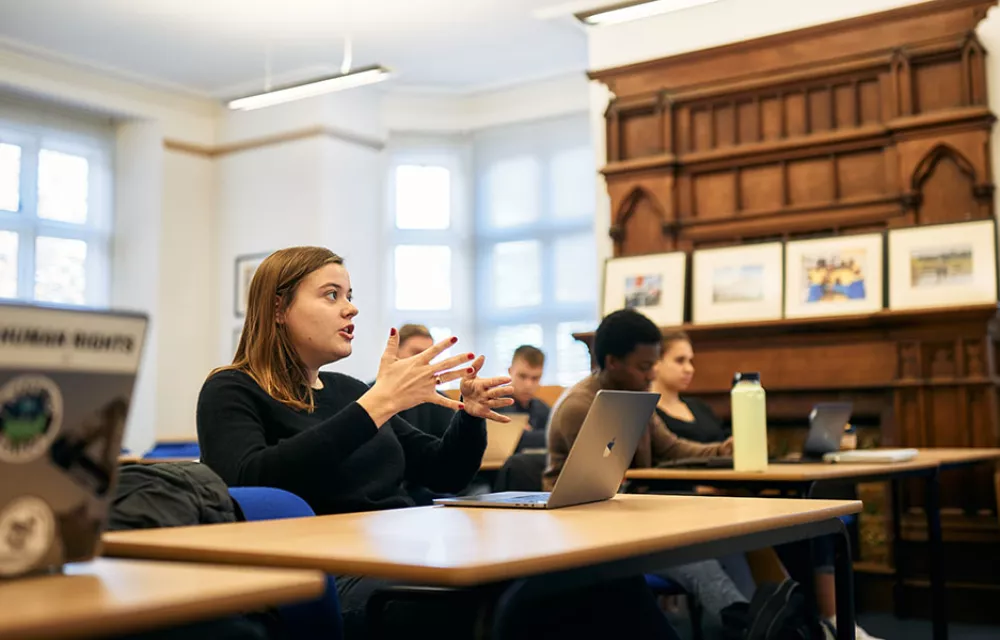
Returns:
<point x="320" y="318"/>
<point x="675" y="369"/>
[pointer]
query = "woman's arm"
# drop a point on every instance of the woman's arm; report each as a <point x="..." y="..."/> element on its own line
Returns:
<point x="231" y="434"/>
<point x="445" y="464"/>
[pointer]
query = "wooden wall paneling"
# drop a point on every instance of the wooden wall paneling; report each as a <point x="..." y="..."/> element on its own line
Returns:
<point x="867" y="124"/>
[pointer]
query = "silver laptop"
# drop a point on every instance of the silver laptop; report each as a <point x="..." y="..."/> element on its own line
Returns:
<point x="596" y="464"/>
<point x="502" y="438"/>
<point x="66" y="381"/>
<point x="826" y="428"/>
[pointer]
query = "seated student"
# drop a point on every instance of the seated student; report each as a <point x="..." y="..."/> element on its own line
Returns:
<point x="429" y="417"/>
<point x="273" y="419"/>
<point x="693" y="419"/>
<point x="526" y="368"/>
<point x="627" y="347"/>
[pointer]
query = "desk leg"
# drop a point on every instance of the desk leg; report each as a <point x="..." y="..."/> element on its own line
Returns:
<point x="898" y="587"/>
<point x="932" y="509"/>
<point x="844" y="567"/>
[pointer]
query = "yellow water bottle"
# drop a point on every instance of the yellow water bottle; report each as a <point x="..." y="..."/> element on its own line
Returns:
<point x="749" y="410"/>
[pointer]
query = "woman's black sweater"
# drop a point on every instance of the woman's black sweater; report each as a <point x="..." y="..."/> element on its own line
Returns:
<point x="334" y="458"/>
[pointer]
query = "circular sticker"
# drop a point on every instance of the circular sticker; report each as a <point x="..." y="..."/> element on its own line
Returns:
<point x="27" y="528"/>
<point x="31" y="411"/>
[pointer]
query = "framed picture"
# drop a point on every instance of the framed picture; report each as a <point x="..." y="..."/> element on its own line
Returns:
<point x="246" y="266"/>
<point x="737" y="284"/>
<point x="653" y="285"/>
<point x="834" y="276"/>
<point x="943" y="265"/>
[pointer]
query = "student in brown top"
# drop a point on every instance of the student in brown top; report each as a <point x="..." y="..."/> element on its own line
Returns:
<point x="627" y="348"/>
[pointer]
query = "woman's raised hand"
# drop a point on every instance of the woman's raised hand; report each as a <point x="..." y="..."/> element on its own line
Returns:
<point x="407" y="382"/>
<point x="482" y="395"/>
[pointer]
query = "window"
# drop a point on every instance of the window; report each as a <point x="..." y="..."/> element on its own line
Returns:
<point x="428" y="238"/>
<point x="55" y="222"/>
<point x="536" y="252"/>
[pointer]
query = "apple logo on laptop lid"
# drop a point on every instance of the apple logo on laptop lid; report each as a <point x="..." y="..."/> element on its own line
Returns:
<point x="607" y="449"/>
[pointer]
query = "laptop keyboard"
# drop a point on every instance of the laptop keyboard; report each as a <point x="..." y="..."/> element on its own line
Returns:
<point x="533" y="498"/>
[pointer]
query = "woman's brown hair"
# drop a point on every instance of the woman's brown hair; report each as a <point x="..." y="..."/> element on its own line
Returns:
<point x="674" y="336"/>
<point x="265" y="352"/>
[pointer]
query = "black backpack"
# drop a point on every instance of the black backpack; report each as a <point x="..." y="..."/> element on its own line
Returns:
<point x="777" y="612"/>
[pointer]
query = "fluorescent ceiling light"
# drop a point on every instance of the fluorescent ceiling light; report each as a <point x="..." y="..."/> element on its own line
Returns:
<point x="636" y="10"/>
<point x="356" y="78"/>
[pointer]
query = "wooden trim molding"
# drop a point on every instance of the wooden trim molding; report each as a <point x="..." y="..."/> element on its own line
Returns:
<point x="271" y="140"/>
<point x="855" y="37"/>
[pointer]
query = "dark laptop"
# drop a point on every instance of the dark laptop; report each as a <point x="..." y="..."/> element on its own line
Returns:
<point x="66" y="382"/>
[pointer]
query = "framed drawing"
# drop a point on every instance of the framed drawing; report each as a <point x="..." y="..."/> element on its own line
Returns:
<point x="246" y="266"/>
<point x="943" y="265"/>
<point x="834" y="276"/>
<point x="653" y="285"/>
<point x="737" y="284"/>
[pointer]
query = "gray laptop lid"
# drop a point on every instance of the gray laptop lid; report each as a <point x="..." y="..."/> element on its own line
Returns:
<point x="66" y="381"/>
<point x="826" y="427"/>
<point x="604" y="448"/>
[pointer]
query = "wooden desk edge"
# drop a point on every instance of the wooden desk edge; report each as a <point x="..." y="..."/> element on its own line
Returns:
<point x="301" y="586"/>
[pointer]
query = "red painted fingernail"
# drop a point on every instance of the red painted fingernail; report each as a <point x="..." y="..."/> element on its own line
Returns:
<point x="392" y="331"/>
<point x="472" y="356"/>
<point x="470" y="370"/>
<point x="454" y="339"/>
<point x="461" y="407"/>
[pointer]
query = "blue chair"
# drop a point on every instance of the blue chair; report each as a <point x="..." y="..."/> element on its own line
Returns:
<point x="661" y="586"/>
<point x="307" y="620"/>
<point x="174" y="450"/>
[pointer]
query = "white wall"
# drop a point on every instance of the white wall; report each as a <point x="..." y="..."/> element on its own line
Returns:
<point x="188" y="292"/>
<point x="723" y="23"/>
<point x="443" y="113"/>
<point x="136" y="272"/>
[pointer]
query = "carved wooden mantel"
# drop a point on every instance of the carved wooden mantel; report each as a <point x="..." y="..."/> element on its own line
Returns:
<point x="861" y="125"/>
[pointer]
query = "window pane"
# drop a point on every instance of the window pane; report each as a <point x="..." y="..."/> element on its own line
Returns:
<point x="10" y="177"/>
<point x="62" y="186"/>
<point x="517" y="274"/>
<point x="423" y="278"/>
<point x="423" y="197"/>
<point x="572" y="356"/>
<point x="576" y="268"/>
<point x="512" y="192"/>
<point x="506" y="339"/>
<point x="573" y="184"/>
<point x="60" y="270"/>
<point x="8" y="264"/>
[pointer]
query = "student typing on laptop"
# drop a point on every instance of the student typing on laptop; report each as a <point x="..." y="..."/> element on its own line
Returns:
<point x="674" y="373"/>
<point x="273" y="419"/>
<point x="627" y="347"/>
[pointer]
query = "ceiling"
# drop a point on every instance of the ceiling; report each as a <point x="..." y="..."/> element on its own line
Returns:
<point x="219" y="47"/>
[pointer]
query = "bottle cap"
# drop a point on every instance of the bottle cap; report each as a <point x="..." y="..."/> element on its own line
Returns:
<point x="749" y="376"/>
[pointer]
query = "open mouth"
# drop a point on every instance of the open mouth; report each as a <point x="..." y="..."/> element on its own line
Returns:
<point x="347" y="332"/>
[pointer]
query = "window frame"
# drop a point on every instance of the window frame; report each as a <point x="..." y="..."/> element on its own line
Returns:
<point x="551" y="137"/>
<point x="451" y="153"/>
<point x="97" y="231"/>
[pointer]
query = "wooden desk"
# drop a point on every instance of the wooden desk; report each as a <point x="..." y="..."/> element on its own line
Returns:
<point x="106" y="597"/>
<point x="462" y="547"/>
<point x="468" y="546"/>
<point x="801" y="479"/>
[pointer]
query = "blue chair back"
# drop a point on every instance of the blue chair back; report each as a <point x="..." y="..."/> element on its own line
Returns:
<point x="307" y="620"/>
<point x="174" y="450"/>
